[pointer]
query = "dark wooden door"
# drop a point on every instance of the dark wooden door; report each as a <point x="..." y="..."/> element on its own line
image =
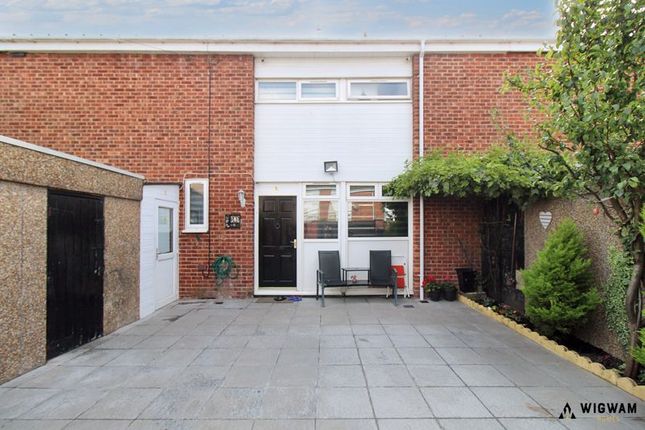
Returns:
<point x="74" y="271"/>
<point x="277" y="241"/>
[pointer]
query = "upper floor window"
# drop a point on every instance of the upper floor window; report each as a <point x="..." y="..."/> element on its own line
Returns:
<point x="277" y="90"/>
<point x="366" y="90"/>
<point x="318" y="91"/>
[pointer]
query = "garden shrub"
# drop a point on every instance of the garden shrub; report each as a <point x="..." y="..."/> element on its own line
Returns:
<point x="614" y="292"/>
<point x="558" y="285"/>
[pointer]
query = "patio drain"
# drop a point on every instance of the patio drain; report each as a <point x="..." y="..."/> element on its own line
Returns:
<point x="408" y="306"/>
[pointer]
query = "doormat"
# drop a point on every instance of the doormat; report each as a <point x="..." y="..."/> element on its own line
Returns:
<point x="269" y="300"/>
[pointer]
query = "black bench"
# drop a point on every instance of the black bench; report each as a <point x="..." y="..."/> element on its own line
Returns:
<point x="331" y="275"/>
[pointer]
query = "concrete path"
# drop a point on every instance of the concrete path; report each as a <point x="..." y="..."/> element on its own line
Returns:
<point x="357" y="364"/>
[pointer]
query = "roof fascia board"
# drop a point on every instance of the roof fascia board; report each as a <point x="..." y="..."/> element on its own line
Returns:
<point x="263" y="47"/>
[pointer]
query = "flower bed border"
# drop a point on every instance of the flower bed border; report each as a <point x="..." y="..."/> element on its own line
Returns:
<point x="610" y="375"/>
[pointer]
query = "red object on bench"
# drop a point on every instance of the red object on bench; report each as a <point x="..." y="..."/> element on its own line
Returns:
<point x="400" y="276"/>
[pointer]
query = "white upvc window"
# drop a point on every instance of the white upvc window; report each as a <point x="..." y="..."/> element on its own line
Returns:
<point x="318" y="90"/>
<point x="372" y="214"/>
<point x="196" y="205"/>
<point x="373" y="89"/>
<point x="277" y="91"/>
<point x="321" y="212"/>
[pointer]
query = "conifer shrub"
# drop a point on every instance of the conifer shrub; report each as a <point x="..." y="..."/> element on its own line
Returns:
<point x="558" y="288"/>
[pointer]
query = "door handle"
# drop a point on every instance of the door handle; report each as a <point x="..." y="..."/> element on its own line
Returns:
<point x="294" y="242"/>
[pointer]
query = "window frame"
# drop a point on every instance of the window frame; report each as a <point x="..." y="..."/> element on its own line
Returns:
<point x="300" y="83"/>
<point x="335" y="198"/>
<point x="188" y="226"/>
<point x="378" y="81"/>
<point x="378" y="197"/>
<point x="258" y="97"/>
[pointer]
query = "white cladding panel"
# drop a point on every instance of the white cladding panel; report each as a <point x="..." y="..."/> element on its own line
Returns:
<point x="370" y="141"/>
<point x="319" y="68"/>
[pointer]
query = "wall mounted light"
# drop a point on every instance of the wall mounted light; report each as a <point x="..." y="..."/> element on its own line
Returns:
<point x="331" y="166"/>
<point x="241" y="196"/>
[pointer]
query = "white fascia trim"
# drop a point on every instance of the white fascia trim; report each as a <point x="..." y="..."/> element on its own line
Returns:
<point x="54" y="153"/>
<point x="263" y="47"/>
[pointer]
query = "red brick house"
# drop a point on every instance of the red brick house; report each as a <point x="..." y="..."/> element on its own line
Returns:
<point x="244" y="128"/>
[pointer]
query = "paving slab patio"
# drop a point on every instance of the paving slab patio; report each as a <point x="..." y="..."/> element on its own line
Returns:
<point x="359" y="363"/>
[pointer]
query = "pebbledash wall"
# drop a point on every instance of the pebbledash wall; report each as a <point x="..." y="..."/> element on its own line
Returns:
<point x="161" y="112"/>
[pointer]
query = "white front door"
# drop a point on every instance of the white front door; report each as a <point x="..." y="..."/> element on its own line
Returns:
<point x="159" y="247"/>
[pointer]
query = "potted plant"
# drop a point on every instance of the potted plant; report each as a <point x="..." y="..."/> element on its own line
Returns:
<point x="433" y="288"/>
<point x="449" y="291"/>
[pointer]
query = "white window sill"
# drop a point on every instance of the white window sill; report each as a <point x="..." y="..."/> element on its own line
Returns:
<point x="195" y="230"/>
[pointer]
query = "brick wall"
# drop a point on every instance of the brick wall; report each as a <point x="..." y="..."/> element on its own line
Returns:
<point x="149" y="114"/>
<point x="464" y="109"/>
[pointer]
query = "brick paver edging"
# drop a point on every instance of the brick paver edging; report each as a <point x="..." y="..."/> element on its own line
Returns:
<point x="610" y="375"/>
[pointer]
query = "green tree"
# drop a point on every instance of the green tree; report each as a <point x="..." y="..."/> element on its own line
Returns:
<point x="589" y="93"/>
<point x="558" y="285"/>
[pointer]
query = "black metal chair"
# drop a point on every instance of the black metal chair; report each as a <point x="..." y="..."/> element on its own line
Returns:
<point x="381" y="273"/>
<point x="328" y="273"/>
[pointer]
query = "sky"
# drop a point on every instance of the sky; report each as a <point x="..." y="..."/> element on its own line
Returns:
<point x="288" y="19"/>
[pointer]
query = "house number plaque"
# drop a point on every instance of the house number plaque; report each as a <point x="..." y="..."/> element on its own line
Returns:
<point x="232" y="220"/>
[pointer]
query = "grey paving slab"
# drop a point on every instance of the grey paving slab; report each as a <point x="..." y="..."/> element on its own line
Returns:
<point x="338" y="356"/>
<point x="288" y="402"/>
<point x="481" y="375"/>
<point x="14" y="402"/>
<point x="123" y="403"/>
<point x="233" y="403"/>
<point x="343" y="402"/>
<point x="527" y="375"/>
<point x="57" y="377"/>
<point x="531" y="423"/>
<point x="408" y="424"/>
<point x="103" y="424"/>
<point x="454" y="402"/>
<point x="247" y="376"/>
<point x="341" y="424"/>
<point x="367" y="329"/>
<point x="94" y="358"/>
<point x="461" y="356"/>
<point x="178" y="403"/>
<point x="400" y="402"/>
<point x="392" y="375"/>
<point x="341" y="376"/>
<point x="380" y="356"/>
<point x="420" y="356"/>
<point x="434" y="375"/>
<point x="216" y="357"/>
<point x="35" y="425"/>
<point x="373" y="341"/>
<point x="509" y="402"/>
<point x="294" y="375"/>
<point x="67" y="404"/>
<point x="337" y="341"/>
<point x="246" y="365"/>
<point x="290" y="424"/>
<point x="471" y="423"/>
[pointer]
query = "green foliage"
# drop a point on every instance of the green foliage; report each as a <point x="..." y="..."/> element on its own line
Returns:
<point x="614" y="292"/>
<point x="517" y="173"/>
<point x="639" y="352"/>
<point x="558" y="285"/>
<point x="590" y="94"/>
